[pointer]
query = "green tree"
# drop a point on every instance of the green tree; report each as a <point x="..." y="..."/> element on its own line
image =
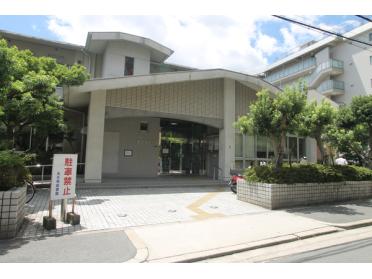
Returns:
<point x="361" y="107"/>
<point x="348" y="136"/>
<point x="315" y="121"/>
<point x="274" y="117"/>
<point x="27" y="91"/>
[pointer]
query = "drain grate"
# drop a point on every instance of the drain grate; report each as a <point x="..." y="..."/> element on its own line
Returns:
<point x="172" y="210"/>
<point x="213" y="206"/>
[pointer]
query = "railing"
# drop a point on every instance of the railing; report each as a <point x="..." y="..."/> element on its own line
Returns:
<point x="296" y="68"/>
<point x="43" y="175"/>
<point x="329" y="64"/>
<point x="331" y="84"/>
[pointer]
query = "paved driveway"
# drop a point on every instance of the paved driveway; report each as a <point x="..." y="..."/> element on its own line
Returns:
<point x="119" y="208"/>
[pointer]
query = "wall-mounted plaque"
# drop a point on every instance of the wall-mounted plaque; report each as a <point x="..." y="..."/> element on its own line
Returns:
<point x="128" y="153"/>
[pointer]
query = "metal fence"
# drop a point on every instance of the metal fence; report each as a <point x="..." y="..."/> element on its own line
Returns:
<point x="42" y="174"/>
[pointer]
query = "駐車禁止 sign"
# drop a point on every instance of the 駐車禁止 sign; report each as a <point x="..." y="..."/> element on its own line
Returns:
<point x="63" y="176"/>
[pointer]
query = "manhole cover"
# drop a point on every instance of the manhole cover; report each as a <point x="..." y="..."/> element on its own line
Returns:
<point x="213" y="207"/>
<point x="172" y="210"/>
<point x="122" y="215"/>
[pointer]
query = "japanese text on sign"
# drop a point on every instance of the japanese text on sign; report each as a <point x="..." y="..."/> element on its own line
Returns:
<point x="63" y="176"/>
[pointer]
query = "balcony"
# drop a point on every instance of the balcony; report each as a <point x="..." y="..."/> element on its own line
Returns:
<point x="293" y="71"/>
<point x="331" y="88"/>
<point x="324" y="70"/>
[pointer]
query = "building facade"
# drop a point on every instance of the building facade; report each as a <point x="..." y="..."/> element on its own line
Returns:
<point x="139" y="116"/>
<point x="333" y="68"/>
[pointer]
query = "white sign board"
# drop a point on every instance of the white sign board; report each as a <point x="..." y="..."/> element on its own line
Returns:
<point x="63" y="176"/>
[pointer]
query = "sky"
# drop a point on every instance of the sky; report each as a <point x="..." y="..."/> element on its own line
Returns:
<point x="240" y="43"/>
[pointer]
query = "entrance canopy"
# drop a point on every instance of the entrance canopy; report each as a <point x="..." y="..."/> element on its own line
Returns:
<point x="78" y="96"/>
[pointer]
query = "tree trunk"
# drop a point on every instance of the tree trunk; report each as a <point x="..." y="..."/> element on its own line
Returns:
<point x="10" y="132"/>
<point x="319" y="142"/>
<point x="280" y="150"/>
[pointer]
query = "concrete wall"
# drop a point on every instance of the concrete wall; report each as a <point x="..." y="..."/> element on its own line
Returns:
<point x="114" y="59"/>
<point x="197" y="98"/>
<point x="12" y="211"/>
<point x="274" y="196"/>
<point x="145" y="147"/>
<point x="243" y="98"/>
<point x="322" y="56"/>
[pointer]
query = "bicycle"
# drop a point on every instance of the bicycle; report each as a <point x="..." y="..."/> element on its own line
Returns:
<point x="30" y="192"/>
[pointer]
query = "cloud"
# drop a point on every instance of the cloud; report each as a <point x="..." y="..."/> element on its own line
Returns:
<point x="230" y="42"/>
<point x="198" y="41"/>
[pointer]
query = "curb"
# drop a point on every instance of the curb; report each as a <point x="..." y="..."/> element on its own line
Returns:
<point x="224" y="251"/>
<point x="142" y="251"/>
<point x="352" y="225"/>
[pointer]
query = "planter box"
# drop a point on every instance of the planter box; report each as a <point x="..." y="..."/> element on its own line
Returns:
<point x="274" y="196"/>
<point x="12" y="211"/>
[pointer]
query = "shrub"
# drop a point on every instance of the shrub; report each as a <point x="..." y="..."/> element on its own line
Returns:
<point x="13" y="172"/>
<point x="314" y="173"/>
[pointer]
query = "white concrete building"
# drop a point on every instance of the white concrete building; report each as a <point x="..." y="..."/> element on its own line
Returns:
<point x="141" y="117"/>
<point x="333" y="68"/>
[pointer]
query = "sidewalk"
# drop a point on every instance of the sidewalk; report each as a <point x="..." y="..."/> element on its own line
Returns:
<point x="196" y="240"/>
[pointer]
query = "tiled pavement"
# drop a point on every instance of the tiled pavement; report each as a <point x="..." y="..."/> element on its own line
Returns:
<point x="119" y="208"/>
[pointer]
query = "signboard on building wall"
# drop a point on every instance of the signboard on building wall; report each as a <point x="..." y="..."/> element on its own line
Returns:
<point x="63" y="176"/>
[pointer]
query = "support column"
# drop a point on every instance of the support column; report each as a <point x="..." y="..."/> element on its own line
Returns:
<point x="96" y="130"/>
<point x="226" y="153"/>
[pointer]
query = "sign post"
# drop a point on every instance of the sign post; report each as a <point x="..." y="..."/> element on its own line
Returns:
<point x="63" y="184"/>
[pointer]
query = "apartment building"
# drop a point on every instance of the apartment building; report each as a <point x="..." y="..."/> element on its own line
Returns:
<point x="333" y="68"/>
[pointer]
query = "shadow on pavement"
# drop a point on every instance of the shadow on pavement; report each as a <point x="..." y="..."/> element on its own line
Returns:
<point x="343" y="212"/>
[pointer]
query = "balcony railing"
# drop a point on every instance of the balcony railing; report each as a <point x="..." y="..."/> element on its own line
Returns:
<point x="329" y="65"/>
<point x="330" y="86"/>
<point x="292" y="70"/>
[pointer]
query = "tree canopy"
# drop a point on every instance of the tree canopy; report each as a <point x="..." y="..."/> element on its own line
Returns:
<point x="316" y="119"/>
<point x="27" y="91"/>
<point x="274" y="117"/>
<point x="352" y="132"/>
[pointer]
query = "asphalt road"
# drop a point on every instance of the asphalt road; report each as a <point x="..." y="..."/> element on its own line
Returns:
<point x="353" y="252"/>
<point x="94" y="247"/>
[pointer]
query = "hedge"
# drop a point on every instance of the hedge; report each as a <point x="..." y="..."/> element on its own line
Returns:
<point x="314" y="173"/>
<point x="13" y="172"/>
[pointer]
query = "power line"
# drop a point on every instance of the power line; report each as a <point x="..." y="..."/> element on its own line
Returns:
<point x="321" y="30"/>
<point x="365" y="18"/>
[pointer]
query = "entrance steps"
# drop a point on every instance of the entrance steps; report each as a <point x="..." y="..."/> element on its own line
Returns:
<point x="154" y="182"/>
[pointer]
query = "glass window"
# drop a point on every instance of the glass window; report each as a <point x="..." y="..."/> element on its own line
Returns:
<point x="270" y="149"/>
<point x="261" y="147"/>
<point x="292" y="142"/>
<point x="370" y="60"/>
<point x="144" y="126"/>
<point x="301" y="147"/>
<point x="249" y="146"/>
<point x="129" y="66"/>
<point x="238" y="145"/>
<point x="239" y="165"/>
<point x="370" y="37"/>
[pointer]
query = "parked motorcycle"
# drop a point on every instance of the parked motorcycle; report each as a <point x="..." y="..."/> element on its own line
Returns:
<point x="234" y="181"/>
